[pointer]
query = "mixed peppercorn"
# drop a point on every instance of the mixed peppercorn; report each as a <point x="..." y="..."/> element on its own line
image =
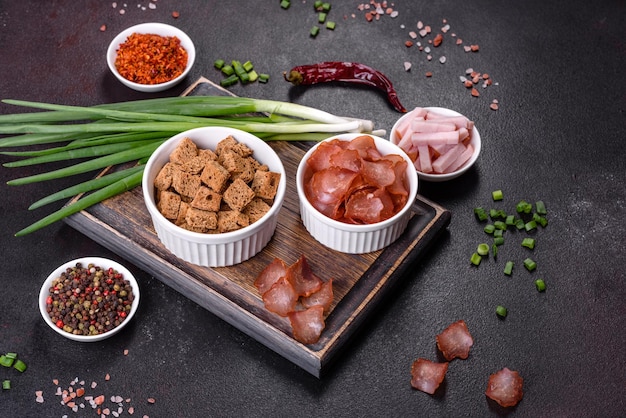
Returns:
<point x="89" y="301"/>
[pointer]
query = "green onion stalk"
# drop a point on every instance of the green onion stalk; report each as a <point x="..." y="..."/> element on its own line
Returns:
<point x="129" y="132"/>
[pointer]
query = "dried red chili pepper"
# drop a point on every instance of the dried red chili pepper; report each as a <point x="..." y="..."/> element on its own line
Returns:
<point x="349" y="72"/>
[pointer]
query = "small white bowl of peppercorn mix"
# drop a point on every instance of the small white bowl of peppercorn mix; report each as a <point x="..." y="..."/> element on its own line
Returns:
<point x="89" y="299"/>
<point x="151" y="57"/>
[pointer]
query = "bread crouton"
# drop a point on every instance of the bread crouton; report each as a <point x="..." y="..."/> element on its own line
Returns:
<point x="238" y="195"/>
<point x="163" y="179"/>
<point x="265" y="184"/>
<point x="231" y="220"/>
<point x="186" y="184"/>
<point x="194" y="165"/>
<point x="184" y="151"/>
<point x="225" y="144"/>
<point x="214" y="176"/>
<point x="182" y="214"/>
<point x="256" y="209"/>
<point x="168" y="204"/>
<point x="207" y="199"/>
<point x="201" y="219"/>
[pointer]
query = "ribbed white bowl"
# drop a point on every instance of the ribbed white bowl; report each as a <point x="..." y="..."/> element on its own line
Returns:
<point x="350" y="238"/>
<point x="214" y="250"/>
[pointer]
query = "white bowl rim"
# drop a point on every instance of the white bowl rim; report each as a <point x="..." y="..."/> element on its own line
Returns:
<point x="200" y="237"/>
<point x="151" y="27"/>
<point x="476" y="141"/>
<point x="105" y="263"/>
<point x="354" y="227"/>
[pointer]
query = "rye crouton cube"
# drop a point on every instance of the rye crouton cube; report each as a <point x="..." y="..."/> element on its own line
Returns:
<point x="182" y="214"/>
<point x="214" y="176"/>
<point x="231" y="220"/>
<point x="184" y="151"/>
<point x="201" y="220"/>
<point x="207" y="199"/>
<point x="225" y="144"/>
<point x="265" y="184"/>
<point x="163" y="179"/>
<point x="186" y="184"/>
<point x="238" y="195"/>
<point x="256" y="209"/>
<point x="168" y="204"/>
<point x="194" y="165"/>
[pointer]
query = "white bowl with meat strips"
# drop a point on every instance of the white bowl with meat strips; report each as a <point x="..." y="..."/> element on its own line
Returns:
<point x="356" y="192"/>
<point x="214" y="195"/>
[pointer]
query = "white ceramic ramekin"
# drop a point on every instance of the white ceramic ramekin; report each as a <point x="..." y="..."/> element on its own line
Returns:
<point x="350" y="238"/>
<point x="214" y="250"/>
<point x="158" y="29"/>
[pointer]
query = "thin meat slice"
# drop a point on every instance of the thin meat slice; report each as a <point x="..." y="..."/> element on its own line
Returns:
<point x="307" y="325"/>
<point x="349" y="159"/>
<point x="324" y="297"/>
<point x="281" y="298"/>
<point x="379" y="173"/>
<point x="369" y="206"/>
<point x="302" y="278"/>
<point x="427" y="375"/>
<point x="505" y="387"/>
<point x="455" y="341"/>
<point x="330" y="185"/>
<point x="270" y="275"/>
<point x="320" y="159"/>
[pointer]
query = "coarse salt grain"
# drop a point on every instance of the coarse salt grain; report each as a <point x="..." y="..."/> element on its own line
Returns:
<point x="442" y="59"/>
<point x="407" y="66"/>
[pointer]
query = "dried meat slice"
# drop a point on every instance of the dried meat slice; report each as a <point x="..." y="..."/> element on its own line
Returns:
<point x="368" y="206"/>
<point x="427" y="375"/>
<point x="270" y="275"/>
<point x="505" y="387"/>
<point x="455" y="341"/>
<point x="324" y="297"/>
<point x="302" y="278"/>
<point x="307" y="325"/>
<point x="321" y="157"/>
<point x="281" y="298"/>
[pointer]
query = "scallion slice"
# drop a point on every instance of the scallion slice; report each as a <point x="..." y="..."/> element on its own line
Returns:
<point x="483" y="249"/>
<point x="475" y="259"/>
<point x="530" y="264"/>
<point x="497" y="195"/>
<point x="489" y="228"/>
<point x="481" y="214"/>
<point x="6" y="384"/>
<point x="540" y="207"/>
<point x="508" y="268"/>
<point x="501" y="311"/>
<point x="540" y="284"/>
<point x="528" y="243"/>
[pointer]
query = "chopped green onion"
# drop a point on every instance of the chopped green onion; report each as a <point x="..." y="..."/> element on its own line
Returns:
<point x="6" y="361"/>
<point x="540" y="284"/>
<point x="519" y="224"/>
<point x="264" y="78"/>
<point x="219" y="64"/>
<point x="317" y="5"/>
<point x="497" y="195"/>
<point x="483" y="249"/>
<point x="285" y="4"/>
<point x="11" y="355"/>
<point x="498" y="233"/>
<point x="501" y="311"/>
<point x="475" y="259"/>
<point x="330" y="25"/>
<point x="229" y="81"/>
<point x="498" y="240"/>
<point x="530" y="264"/>
<point x="508" y="268"/>
<point x="326" y="7"/>
<point x="20" y="366"/>
<point x="489" y="228"/>
<point x="540" y="207"/>
<point x="510" y="220"/>
<point x="480" y="213"/>
<point x="541" y="221"/>
<point x="494" y="250"/>
<point x="321" y="17"/>
<point x="248" y="66"/>
<point x="530" y="225"/>
<point x="314" y="31"/>
<point x="6" y="384"/>
<point x="228" y="70"/>
<point x="528" y="243"/>
<point x="500" y="225"/>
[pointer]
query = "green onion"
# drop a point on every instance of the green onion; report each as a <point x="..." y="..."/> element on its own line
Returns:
<point x="314" y="31"/>
<point x="540" y="284"/>
<point x="530" y="264"/>
<point x="519" y="224"/>
<point x="540" y="207"/>
<point x="480" y="213"/>
<point x="475" y="259"/>
<point x="228" y="70"/>
<point x="528" y="243"/>
<point x="510" y="220"/>
<point x="248" y="66"/>
<point x="264" y="78"/>
<point x="317" y="5"/>
<point x="494" y="250"/>
<point x="326" y="7"/>
<point x="498" y="233"/>
<point x="497" y="195"/>
<point x="20" y="366"/>
<point x="285" y="4"/>
<point x="508" y="268"/>
<point x="231" y="80"/>
<point x="498" y="240"/>
<point x="483" y="249"/>
<point x="6" y="361"/>
<point x="6" y="384"/>
<point x="530" y="225"/>
<point x="330" y="25"/>
<point x="489" y="228"/>
<point x="501" y="311"/>
<point x="500" y="225"/>
<point x="219" y="64"/>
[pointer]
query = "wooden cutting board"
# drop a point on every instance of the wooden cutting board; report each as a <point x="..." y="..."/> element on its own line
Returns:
<point x="360" y="281"/>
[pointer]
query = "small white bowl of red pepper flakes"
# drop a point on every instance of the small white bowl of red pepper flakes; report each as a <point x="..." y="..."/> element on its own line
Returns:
<point x="151" y="57"/>
<point x="89" y="299"/>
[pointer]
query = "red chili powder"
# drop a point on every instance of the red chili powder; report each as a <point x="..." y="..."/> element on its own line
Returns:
<point x="151" y="59"/>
